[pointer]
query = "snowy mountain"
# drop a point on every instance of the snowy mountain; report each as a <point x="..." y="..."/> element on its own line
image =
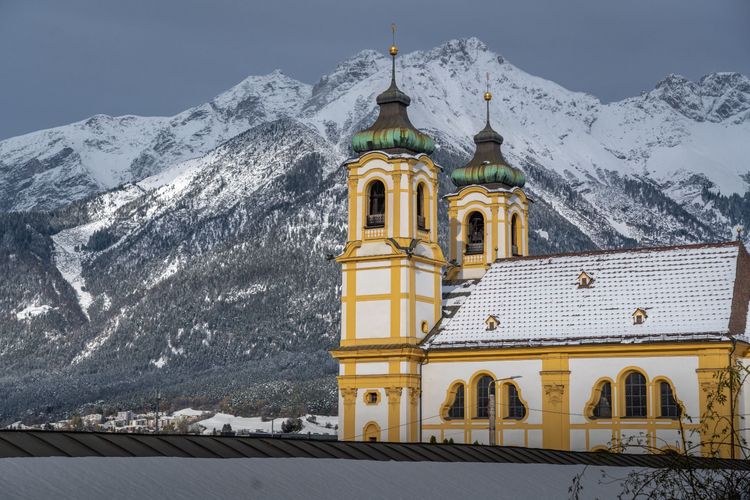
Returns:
<point x="204" y="270"/>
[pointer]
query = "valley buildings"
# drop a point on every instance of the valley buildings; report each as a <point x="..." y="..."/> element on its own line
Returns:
<point x="580" y="351"/>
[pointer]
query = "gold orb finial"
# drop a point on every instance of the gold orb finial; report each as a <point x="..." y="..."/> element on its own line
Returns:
<point x="393" y="50"/>
<point x="488" y="96"/>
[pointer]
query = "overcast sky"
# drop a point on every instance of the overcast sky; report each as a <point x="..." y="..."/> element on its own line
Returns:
<point x="65" y="60"/>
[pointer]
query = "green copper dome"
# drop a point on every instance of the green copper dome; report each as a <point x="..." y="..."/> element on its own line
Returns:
<point x="488" y="166"/>
<point x="390" y="138"/>
<point x="392" y="131"/>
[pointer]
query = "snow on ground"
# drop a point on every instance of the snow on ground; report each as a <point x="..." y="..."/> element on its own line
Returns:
<point x="118" y="478"/>
<point x="189" y="412"/>
<point x="32" y="311"/>
<point x="256" y="424"/>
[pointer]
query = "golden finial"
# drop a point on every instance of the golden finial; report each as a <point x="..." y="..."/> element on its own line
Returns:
<point x="393" y="50"/>
<point x="487" y="93"/>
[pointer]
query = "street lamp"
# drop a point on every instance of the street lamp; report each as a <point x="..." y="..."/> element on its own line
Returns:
<point x="491" y="405"/>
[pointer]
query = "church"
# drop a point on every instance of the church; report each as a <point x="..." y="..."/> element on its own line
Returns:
<point x="493" y="345"/>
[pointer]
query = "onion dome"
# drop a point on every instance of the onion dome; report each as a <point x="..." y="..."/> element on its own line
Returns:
<point x="392" y="132"/>
<point x="488" y="166"/>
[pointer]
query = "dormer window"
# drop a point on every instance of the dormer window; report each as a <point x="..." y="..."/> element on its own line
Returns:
<point x="492" y="322"/>
<point x="639" y="316"/>
<point x="584" y="280"/>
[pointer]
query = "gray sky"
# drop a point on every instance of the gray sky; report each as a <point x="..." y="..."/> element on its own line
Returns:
<point x="65" y="60"/>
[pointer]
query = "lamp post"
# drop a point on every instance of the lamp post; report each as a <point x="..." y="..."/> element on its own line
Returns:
<point x="491" y="405"/>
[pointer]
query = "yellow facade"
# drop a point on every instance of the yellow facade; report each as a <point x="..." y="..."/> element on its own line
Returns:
<point x="559" y="393"/>
<point x="505" y="214"/>
<point x="391" y="293"/>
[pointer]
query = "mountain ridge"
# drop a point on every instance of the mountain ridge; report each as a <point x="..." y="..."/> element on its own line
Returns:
<point x="208" y="277"/>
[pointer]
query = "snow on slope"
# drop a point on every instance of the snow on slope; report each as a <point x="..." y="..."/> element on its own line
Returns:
<point x="677" y="129"/>
<point x="52" y="167"/>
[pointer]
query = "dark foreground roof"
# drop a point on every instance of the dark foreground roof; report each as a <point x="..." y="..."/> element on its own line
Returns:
<point x="99" y="444"/>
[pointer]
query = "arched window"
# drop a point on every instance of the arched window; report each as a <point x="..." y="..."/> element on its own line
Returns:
<point x="514" y="235"/>
<point x="376" y="204"/>
<point x="603" y="407"/>
<point x="483" y="396"/>
<point x="475" y="236"/>
<point x="456" y="410"/>
<point x="421" y="221"/>
<point x="635" y="395"/>
<point x="372" y="432"/>
<point x="516" y="409"/>
<point x="668" y="404"/>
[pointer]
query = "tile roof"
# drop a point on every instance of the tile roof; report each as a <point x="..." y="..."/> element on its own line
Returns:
<point x="98" y="444"/>
<point x="687" y="292"/>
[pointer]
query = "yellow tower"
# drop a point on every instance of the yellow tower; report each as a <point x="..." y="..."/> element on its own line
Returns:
<point x="391" y="274"/>
<point x="488" y="214"/>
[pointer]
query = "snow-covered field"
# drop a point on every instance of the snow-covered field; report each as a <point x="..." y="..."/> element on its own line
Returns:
<point x="256" y="424"/>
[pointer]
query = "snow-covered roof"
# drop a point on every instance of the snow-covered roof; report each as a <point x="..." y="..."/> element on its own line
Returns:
<point x="686" y="292"/>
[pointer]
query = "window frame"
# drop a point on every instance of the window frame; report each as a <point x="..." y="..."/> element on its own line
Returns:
<point x="366" y="399"/>
<point x="471" y="232"/>
<point x="478" y="397"/>
<point x="422" y="223"/>
<point x="627" y="399"/>
<point x="508" y="404"/>
<point x="369" y="203"/>
<point x="599" y="393"/>
<point x="458" y="395"/>
<point x="659" y="395"/>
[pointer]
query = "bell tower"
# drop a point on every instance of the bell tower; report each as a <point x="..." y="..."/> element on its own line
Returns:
<point x="488" y="214"/>
<point x="391" y="273"/>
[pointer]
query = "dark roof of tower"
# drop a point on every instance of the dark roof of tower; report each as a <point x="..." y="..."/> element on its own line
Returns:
<point x="488" y="166"/>
<point x="393" y="131"/>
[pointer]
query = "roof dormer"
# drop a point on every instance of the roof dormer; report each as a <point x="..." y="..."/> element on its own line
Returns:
<point x="492" y="322"/>
<point x="584" y="280"/>
<point x="639" y="316"/>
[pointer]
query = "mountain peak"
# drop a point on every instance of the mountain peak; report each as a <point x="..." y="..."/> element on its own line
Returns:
<point x="715" y="97"/>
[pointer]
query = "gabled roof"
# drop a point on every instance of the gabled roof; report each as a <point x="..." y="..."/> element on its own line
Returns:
<point x="688" y="292"/>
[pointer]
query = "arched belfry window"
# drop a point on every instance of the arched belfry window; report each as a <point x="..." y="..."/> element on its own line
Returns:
<point x="475" y="236"/>
<point x="376" y="204"/>
<point x="515" y="235"/>
<point x="635" y="395"/>
<point x="421" y="221"/>
<point x="484" y="386"/>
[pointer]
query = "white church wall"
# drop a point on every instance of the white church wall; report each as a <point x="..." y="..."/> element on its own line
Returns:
<point x="423" y="312"/>
<point x="597" y="437"/>
<point x="373" y="319"/>
<point x="375" y="368"/>
<point x="425" y="283"/>
<point x="373" y="281"/>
